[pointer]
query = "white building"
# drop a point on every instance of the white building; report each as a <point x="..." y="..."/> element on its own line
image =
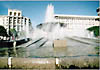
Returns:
<point x="15" y="20"/>
<point x="76" y="24"/>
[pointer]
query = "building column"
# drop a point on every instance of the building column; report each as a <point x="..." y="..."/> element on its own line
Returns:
<point x="12" y="22"/>
<point x="23" y="21"/>
<point x="16" y="23"/>
<point x="20" y="25"/>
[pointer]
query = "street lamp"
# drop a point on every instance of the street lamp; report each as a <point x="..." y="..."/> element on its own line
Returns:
<point x="98" y="12"/>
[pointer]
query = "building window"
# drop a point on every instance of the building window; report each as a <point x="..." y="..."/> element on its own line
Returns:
<point x="56" y="16"/>
<point x="10" y="18"/>
<point x="14" y="13"/>
<point x="18" y="14"/>
<point x="18" y="27"/>
<point x="10" y="13"/>
<point x="18" y="21"/>
<point x="25" y="20"/>
<point x="7" y="19"/>
<point x="18" y="17"/>
<point x="14" y="17"/>
<point x="14" y="26"/>
<point x="29" y="21"/>
<point x="14" y="22"/>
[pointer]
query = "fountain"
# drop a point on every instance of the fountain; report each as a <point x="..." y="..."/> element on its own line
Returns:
<point x="52" y="27"/>
<point x="49" y="14"/>
<point x="44" y="35"/>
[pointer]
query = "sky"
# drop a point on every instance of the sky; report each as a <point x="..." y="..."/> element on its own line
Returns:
<point x="35" y="10"/>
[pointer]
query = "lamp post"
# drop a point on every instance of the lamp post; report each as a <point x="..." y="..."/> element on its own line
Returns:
<point x="98" y="12"/>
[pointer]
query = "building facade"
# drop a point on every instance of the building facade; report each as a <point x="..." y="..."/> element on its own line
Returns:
<point x="15" y="20"/>
<point x="77" y="25"/>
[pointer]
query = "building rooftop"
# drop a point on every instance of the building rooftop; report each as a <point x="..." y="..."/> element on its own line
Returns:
<point x="14" y="9"/>
<point x="3" y="15"/>
<point x="63" y="15"/>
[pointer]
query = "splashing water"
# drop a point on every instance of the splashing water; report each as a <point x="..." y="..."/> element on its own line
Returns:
<point x="50" y="31"/>
<point x="49" y="17"/>
<point x="53" y="31"/>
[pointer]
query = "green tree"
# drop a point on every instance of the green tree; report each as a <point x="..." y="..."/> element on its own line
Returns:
<point x="3" y="31"/>
<point x="13" y="33"/>
<point x="95" y="29"/>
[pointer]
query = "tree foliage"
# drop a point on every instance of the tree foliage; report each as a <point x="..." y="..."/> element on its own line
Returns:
<point x="13" y="32"/>
<point x="95" y="29"/>
<point x="3" y="31"/>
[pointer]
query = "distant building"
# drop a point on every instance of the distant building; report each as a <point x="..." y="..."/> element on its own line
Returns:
<point x="15" y="20"/>
<point x="75" y="24"/>
<point x="77" y="21"/>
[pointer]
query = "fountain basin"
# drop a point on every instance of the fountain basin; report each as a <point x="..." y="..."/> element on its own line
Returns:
<point x="79" y="62"/>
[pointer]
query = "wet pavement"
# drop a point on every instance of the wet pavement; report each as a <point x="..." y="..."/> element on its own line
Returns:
<point x="42" y="47"/>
